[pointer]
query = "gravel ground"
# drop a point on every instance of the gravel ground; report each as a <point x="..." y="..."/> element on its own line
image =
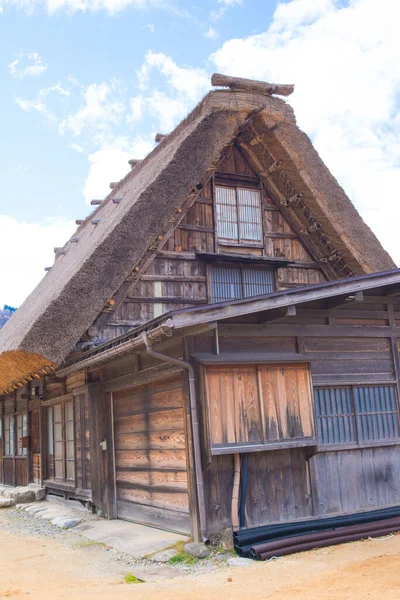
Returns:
<point x="21" y="523"/>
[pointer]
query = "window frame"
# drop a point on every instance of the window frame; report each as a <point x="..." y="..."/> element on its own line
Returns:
<point x="358" y="442"/>
<point x="21" y="427"/>
<point x="10" y="430"/>
<point x="238" y="183"/>
<point x="56" y="434"/>
<point x="241" y="267"/>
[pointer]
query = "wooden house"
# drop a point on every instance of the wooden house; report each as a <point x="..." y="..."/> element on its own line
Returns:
<point x="224" y="309"/>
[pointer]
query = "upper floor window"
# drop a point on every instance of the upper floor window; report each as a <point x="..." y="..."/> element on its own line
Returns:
<point x="239" y="219"/>
<point x="240" y="281"/>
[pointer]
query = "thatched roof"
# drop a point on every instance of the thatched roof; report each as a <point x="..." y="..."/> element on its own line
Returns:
<point x="118" y="234"/>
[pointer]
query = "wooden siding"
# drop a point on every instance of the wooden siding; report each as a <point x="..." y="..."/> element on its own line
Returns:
<point x="278" y="489"/>
<point x="257" y="405"/>
<point x="178" y="278"/>
<point x="150" y="455"/>
<point x="351" y="480"/>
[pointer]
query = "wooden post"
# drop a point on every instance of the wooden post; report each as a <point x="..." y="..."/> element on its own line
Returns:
<point x="192" y="488"/>
<point x="95" y="393"/>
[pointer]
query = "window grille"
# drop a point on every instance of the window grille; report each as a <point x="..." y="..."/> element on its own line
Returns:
<point x="230" y="283"/>
<point x="356" y="414"/>
<point x="239" y="217"/>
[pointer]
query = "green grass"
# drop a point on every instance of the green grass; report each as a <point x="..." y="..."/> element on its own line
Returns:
<point x="131" y="578"/>
<point x="182" y="558"/>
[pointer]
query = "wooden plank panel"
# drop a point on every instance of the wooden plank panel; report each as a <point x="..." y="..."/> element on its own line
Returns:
<point x="150" y="455"/>
<point x="172" y="479"/>
<point x="156" y="421"/>
<point x="287" y="398"/>
<point x="157" y="459"/>
<point x="169" y="519"/>
<point x="234" y="405"/>
<point x="167" y="439"/>
<point x="156" y="496"/>
<point x="357" y="479"/>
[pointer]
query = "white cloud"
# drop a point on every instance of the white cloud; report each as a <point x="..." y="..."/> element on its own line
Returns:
<point x="39" y="103"/>
<point x="111" y="164"/>
<point x="27" y="64"/>
<point x="25" y="250"/>
<point x="185" y="86"/>
<point x="345" y="62"/>
<point x="224" y="5"/>
<point x="101" y="110"/>
<point x="136" y="106"/>
<point x="150" y="27"/>
<point x="188" y="81"/>
<point x="211" y="33"/>
<point x="74" y="6"/>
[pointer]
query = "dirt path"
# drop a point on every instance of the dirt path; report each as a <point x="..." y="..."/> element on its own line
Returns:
<point x="54" y="568"/>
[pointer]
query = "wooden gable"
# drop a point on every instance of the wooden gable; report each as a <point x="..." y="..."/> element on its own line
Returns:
<point x="178" y="276"/>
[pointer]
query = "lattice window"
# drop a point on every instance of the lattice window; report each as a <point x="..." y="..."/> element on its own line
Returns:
<point x="229" y="283"/>
<point x="8" y="436"/>
<point x="239" y="217"/>
<point x="356" y="414"/>
<point x="22" y="431"/>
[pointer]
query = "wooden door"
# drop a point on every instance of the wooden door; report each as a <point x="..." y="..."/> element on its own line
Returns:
<point x="150" y="455"/>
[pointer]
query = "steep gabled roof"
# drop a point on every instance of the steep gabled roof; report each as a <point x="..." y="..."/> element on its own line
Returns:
<point x="103" y="251"/>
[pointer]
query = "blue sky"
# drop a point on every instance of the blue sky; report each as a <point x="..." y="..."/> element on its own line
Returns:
<point x="87" y="83"/>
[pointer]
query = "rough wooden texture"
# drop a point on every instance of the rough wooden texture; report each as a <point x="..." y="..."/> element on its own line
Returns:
<point x="259" y="404"/>
<point x="278" y="489"/>
<point x="353" y="480"/>
<point x="173" y="280"/>
<point x="150" y="455"/>
<point x="239" y="83"/>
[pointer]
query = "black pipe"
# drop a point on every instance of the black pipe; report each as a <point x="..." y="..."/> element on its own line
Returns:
<point x="243" y="490"/>
<point x="324" y="543"/>
<point x="366" y="528"/>
<point x="277" y="531"/>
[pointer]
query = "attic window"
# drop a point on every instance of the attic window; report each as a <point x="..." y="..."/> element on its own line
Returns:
<point x="238" y="212"/>
<point x="232" y="282"/>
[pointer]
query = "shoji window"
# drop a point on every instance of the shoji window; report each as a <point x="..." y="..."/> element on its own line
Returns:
<point x="60" y="441"/>
<point x="356" y="414"/>
<point x="8" y="436"/>
<point x="22" y="431"/>
<point x="232" y="282"/>
<point x="239" y="216"/>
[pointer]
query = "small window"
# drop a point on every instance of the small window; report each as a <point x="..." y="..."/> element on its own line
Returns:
<point x="239" y="219"/>
<point x="351" y="414"/>
<point x="229" y="283"/>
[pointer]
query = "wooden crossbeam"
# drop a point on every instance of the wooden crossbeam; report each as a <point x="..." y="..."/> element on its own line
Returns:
<point x="345" y="300"/>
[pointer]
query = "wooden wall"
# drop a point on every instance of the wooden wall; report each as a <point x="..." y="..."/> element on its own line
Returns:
<point x="178" y="278"/>
<point x="345" y="342"/>
<point x="278" y="489"/>
<point x="351" y="480"/>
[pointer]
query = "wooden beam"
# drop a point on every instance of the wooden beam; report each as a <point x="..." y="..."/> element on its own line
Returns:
<point x="345" y="300"/>
<point x="392" y="290"/>
<point x="167" y="300"/>
<point x="240" y="83"/>
<point x="278" y="314"/>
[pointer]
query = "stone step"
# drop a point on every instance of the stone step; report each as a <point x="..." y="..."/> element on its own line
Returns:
<point x="23" y="494"/>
